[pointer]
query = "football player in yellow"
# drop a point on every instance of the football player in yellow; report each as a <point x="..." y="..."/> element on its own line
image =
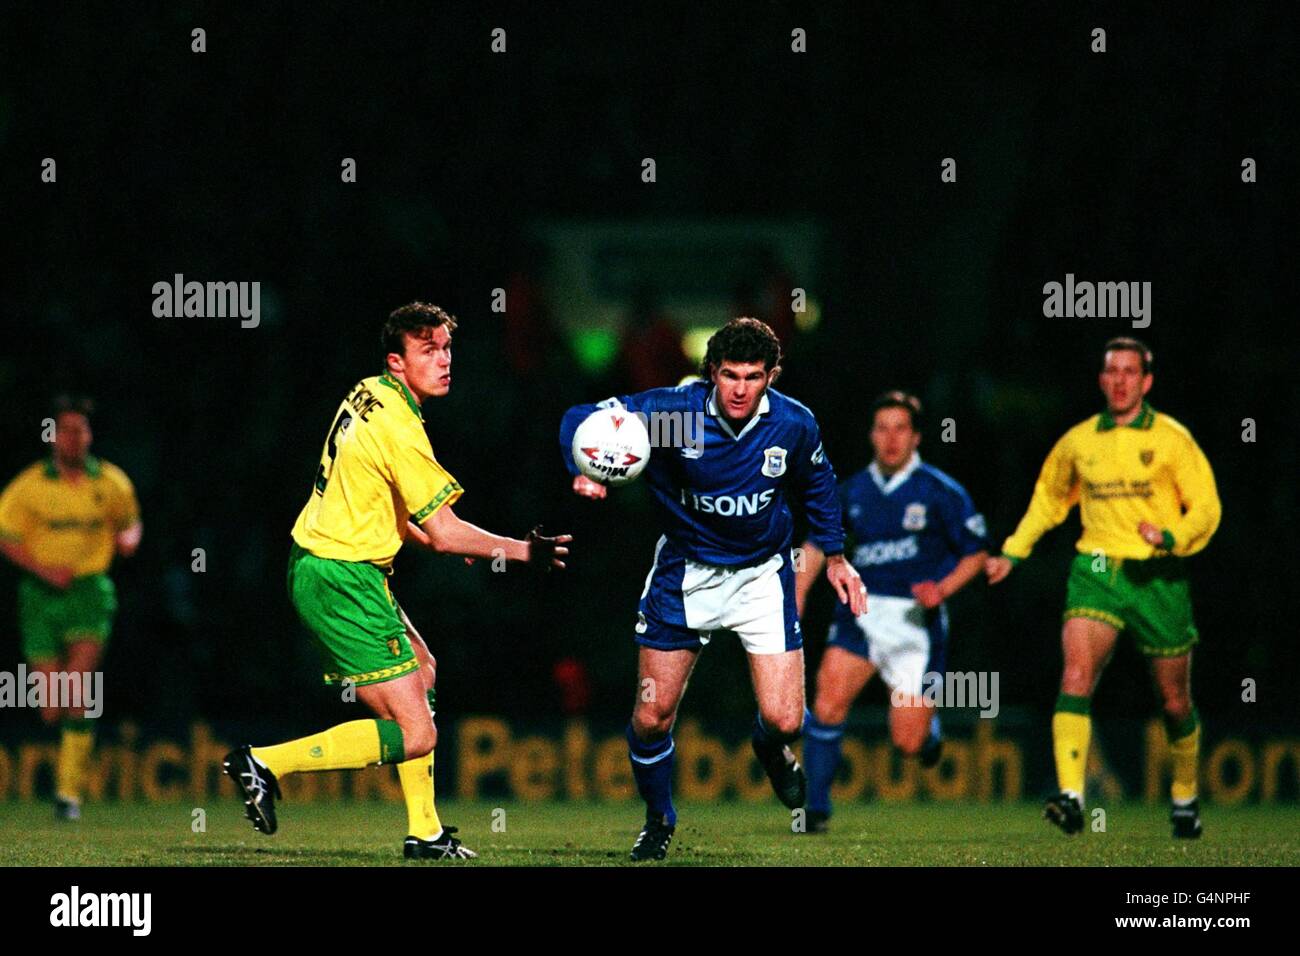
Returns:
<point x="377" y="486"/>
<point x="62" y="520"/>
<point x="1147" y="500"/>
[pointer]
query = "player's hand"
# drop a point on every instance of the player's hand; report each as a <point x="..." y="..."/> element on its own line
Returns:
<point x="996" y="568"/>
<point x="1151" y="534"/>
<point x="582" y="485"/>
<point x="58" y="576"/>
<point x="928" y="594"/>
<point x="844" y="578"/>
<point x="544" y="553"/>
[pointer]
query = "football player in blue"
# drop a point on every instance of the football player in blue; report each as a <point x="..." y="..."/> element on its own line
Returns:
<point x="724" y="562"/>
<point x="918" y="541"/>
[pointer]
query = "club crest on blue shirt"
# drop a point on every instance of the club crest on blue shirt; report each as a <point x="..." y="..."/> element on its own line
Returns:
<point x="774" y="461"/>
<point x="914" y="517"/>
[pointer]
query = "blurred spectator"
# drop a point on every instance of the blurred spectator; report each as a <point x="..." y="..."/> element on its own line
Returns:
<point x="765" y="292"/>
<point x="651" y="354"/>
<point x="574" y="685"/>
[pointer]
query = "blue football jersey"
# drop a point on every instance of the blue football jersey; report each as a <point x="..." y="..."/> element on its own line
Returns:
<point x="722" y="496"/>
<point x="913" y="527"/>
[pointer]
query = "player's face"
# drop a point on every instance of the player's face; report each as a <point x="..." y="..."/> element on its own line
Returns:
<point x="1122" y="381"/>
<point x="740" y="386"/>
<point x="72" y="439"/>
<point x="893" y="439"/>
<point x="426" y="364"/>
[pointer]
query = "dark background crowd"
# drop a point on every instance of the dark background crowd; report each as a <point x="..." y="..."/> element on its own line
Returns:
<point x="1122" y="166"/>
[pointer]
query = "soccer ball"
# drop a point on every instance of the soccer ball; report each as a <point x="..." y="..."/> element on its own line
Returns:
<point x="611" y="446"/>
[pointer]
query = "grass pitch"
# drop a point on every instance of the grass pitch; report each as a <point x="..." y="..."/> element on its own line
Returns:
<point x="582" y="834"/>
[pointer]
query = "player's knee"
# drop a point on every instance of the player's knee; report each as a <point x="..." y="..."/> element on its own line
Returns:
<point x="1178" y="708"/>
<point x="419" y="739"/>
<point x="830" y="711"/>
<point x="783" y="725"/>
<point x="1076" y="680"/>
<point x="651" y="723"/>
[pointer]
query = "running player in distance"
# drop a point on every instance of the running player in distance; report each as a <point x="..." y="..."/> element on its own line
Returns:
<point x="62" y="521"/>
<point x="1147" y="500"/>
<point x="916" y="541"/>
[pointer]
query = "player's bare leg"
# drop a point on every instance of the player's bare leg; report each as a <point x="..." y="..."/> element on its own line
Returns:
<point x="77" y="736"/>
<point x="909" y="724"/>
<point x="1173" y="681"/>
<point x="1087" y="645"/>
<point x="661" y="681"/>
<point x="50" y="712"/>
<point x="841" y="676"/>
<point x="778" y="684"/>
<point x="427" y="838"/>
<point x="400" y="729"/>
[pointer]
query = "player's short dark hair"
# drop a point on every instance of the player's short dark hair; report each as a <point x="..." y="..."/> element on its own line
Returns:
<point x="66" y="402"/>
<point x="742" y="340"/>
<point x="1123" y="343"/>
<point x="412" y="319"/>
<point x="897" y="398"/>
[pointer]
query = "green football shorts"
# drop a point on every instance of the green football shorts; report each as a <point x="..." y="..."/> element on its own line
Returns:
<point x="51" y="619"/>
<point x="348" y="606"/>
<point x="1151" y="599"/>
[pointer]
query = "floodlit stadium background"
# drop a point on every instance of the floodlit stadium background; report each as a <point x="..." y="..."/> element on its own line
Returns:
<point x="522" y="171"/>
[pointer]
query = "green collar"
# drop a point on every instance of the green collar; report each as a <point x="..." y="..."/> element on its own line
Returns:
<point x="399" y="386"/>
<point x="92" y="467"/>
<point x="1144" y="420"/>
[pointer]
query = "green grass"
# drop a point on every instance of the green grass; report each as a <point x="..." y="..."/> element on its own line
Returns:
<point x="558" y="834"/>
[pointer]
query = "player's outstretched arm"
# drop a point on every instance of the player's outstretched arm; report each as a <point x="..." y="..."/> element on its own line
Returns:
<point x="448" y="534"/>
<point x="931" y="594"/>
<point x="806" y="571"/>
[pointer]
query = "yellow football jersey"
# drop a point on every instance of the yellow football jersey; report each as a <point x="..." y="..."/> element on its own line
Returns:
<point x="377" y="470"/>
<point x="69" y="523"/>
<point x="1151" y="470"/>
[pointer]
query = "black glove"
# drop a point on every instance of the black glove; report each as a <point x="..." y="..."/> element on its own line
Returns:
<point x="545" y="553"/>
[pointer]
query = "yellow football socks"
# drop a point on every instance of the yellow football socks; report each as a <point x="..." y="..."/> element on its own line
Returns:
<point x="1071" y="730"/>
<point x="350" y="746"/>
<point x="417" y="787"/>
<point x="76" y="741"/>
<point x="1185" y="749"/>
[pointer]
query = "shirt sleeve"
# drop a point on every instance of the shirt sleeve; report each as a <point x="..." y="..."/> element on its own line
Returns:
<point x="16" y="518"/>
<point x="1200" y="500"/>
<point x="643" y="402"/>
<point x="423" y="485"/>
<point x="126" y="507"/>
<point x="963" y="526"/>
<point x="815" y="478"/>
<point x="1056" y="492"/>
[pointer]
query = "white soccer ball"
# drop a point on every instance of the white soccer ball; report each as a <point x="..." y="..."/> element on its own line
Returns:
<point x="611" y="446"/>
